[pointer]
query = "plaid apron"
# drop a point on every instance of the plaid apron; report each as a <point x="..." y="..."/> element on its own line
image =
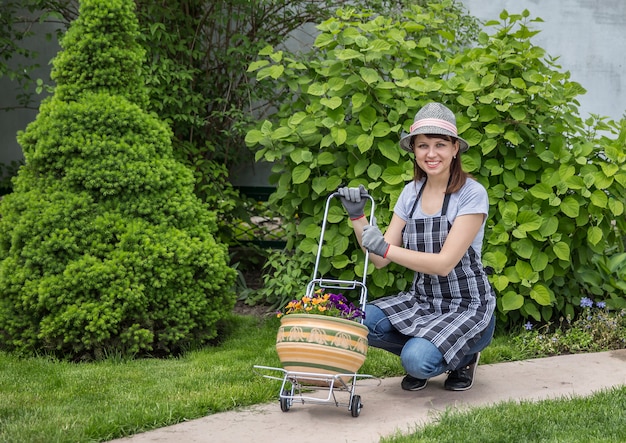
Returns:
<point x="451" y="312"/>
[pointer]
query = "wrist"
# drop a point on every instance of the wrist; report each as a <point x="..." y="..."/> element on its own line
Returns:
<point x="357" y="217"/>
<point x="387" y="250"/>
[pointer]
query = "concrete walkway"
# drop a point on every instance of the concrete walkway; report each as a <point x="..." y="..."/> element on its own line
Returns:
<point x="388" y="409"/>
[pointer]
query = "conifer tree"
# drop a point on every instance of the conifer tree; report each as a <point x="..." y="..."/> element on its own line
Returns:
<point x="103" y="245"/>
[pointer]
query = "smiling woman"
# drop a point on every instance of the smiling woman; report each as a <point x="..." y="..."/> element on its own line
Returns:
<point x="445" y="318"/>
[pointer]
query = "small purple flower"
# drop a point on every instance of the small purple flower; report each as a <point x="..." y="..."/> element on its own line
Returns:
<point x="601" y="304"/>
<point x="528" y="325"/>
<point x="586" y="302"/>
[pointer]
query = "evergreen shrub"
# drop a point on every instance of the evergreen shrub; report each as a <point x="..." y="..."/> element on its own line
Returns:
<point x="104" y="246"/>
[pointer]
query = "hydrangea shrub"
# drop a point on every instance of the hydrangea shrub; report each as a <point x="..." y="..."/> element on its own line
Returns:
<point x="556" y="184"/>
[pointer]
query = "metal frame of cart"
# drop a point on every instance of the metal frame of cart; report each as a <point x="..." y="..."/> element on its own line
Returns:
<point x="296" y="386"/>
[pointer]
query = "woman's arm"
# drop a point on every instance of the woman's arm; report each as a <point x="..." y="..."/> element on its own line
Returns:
<point x="460" y="237"/>
<point x="393" y="236"/>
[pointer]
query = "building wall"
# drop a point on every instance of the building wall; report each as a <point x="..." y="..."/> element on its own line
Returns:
<point x="588" y="36"/>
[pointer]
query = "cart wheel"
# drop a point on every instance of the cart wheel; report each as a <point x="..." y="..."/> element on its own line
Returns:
<point x="285" y="403"/>
<point x="356" y="405"/>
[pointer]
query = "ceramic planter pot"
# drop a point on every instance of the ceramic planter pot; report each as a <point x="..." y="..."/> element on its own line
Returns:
<point x="321" y="344"/>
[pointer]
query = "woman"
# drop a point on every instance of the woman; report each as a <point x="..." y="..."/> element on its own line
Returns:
<point x="446" y="317"/>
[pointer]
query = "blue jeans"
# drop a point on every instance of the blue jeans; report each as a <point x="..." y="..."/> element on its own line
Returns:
<point x="419" y="357"/>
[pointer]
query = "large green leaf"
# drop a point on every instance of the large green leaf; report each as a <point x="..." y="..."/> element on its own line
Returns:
<point x="561" y="250"/>
<point x="529" y="221"/>
<point x="512" y="301"/>
<point x="300" y="174"/>
<point x="541" y="294"/>
<point x="393" y="175"/>
<point x="570" y="207"/>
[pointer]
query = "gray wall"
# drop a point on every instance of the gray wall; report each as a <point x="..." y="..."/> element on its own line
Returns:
<point x="588" y="36"/>
<point x="13" y="121"/>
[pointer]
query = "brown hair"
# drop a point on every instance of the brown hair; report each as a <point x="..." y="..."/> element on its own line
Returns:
<point x="457" y="174"/>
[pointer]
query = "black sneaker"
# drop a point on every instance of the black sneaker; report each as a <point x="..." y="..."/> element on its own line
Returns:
<point x="462" y="379"/>
<point x="410" y="383"/>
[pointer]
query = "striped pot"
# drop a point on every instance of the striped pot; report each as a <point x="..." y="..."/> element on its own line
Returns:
<point x="320" y="344"/>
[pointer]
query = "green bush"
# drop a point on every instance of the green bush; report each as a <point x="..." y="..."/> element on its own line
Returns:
<point x="104" y="246"/>
<point x="556" y="184"/>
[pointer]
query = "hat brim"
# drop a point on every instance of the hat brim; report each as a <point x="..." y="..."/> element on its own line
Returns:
<point x="405" y="138"/>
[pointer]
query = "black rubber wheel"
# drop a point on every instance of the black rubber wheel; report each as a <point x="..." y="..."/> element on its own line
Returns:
<point x="356" y="405"/>
<point x="285" y="403"/>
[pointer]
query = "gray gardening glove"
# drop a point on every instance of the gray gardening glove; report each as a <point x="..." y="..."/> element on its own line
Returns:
<point x="374" y="241"/>
<point x="353" y="199"/>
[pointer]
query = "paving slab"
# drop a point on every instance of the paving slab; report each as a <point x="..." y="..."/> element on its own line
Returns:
<point x="388" y="409"/>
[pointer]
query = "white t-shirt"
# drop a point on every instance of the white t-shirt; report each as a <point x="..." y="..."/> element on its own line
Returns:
<point x="472" y="198"/>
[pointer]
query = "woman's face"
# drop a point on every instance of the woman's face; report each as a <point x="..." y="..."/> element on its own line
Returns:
<point x="434" y="155"/>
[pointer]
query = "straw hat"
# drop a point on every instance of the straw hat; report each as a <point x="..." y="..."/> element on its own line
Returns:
<point x="433" y="118"/>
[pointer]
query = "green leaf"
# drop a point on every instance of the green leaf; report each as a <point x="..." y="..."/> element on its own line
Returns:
<point x="253" y="137"/>
<point x="364" y="142"/>
<point x="282" y="132"/>
<point x="495" y="259"/>
<point x="616" y="207"/>
<point x="512" y="301"/>
<point x="316" y="89"/>
<point x="541" y="294"/>
<point x="332" y="103"/>
<point x="369" y="75"/>
<point x="381" y="129"/>
<point x="561" y="250"/>
<point x="340" y="261"/>
<point x="390" y="150"/>
<point x="374" y="171"/>
<point x="257" y="64"/>
<point x="319" y="185"/>
<point x="500" y="282"/>
<point x="549" y="226"/>
<point x="541" y="191"/>
<point x="594" y="235"/>
<point x="513" y="137"/>
<point x="348" y="54"/>
<point x="539" y="261"/>
<point x="532" y="310"/>
<point x="273" y="71"/>
<point x="599" y="198"/>
<point x="368" y="117"/>
<point x="524" y="248"/>
<point x="393" y="175"/>
<point x="493" y="130"/>
<point x="472" y="136"/>
<point x="300" y="174"/>
<point x="508" y="211"/>
<point x="570" y="207"/>
<point x="358" y="100"/>
<point x="488" y="145"/>
<point x="361" y="166"/>
<point x="339" y="135"/>
<point x="324" y="39"/>
<point x="524" y="270"/>
<point x="326" y="158"/>
<point x="529" y="221"/>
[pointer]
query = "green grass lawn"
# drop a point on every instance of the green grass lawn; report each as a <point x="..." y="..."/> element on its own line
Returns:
<point x="43" y="400"/>
<point x="598" y="418"/>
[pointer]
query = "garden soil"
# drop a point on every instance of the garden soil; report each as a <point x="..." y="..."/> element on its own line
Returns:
<point x="387" y="409"/>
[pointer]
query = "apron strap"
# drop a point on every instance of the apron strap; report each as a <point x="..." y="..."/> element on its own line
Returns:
<point x="444" y="207"/>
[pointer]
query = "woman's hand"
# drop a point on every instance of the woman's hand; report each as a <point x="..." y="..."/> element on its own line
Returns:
<point x="374" y="241"/>
<point x="353" y="200"/>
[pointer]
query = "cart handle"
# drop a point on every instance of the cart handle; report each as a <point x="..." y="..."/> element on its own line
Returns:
<point x="319" y="248"/>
